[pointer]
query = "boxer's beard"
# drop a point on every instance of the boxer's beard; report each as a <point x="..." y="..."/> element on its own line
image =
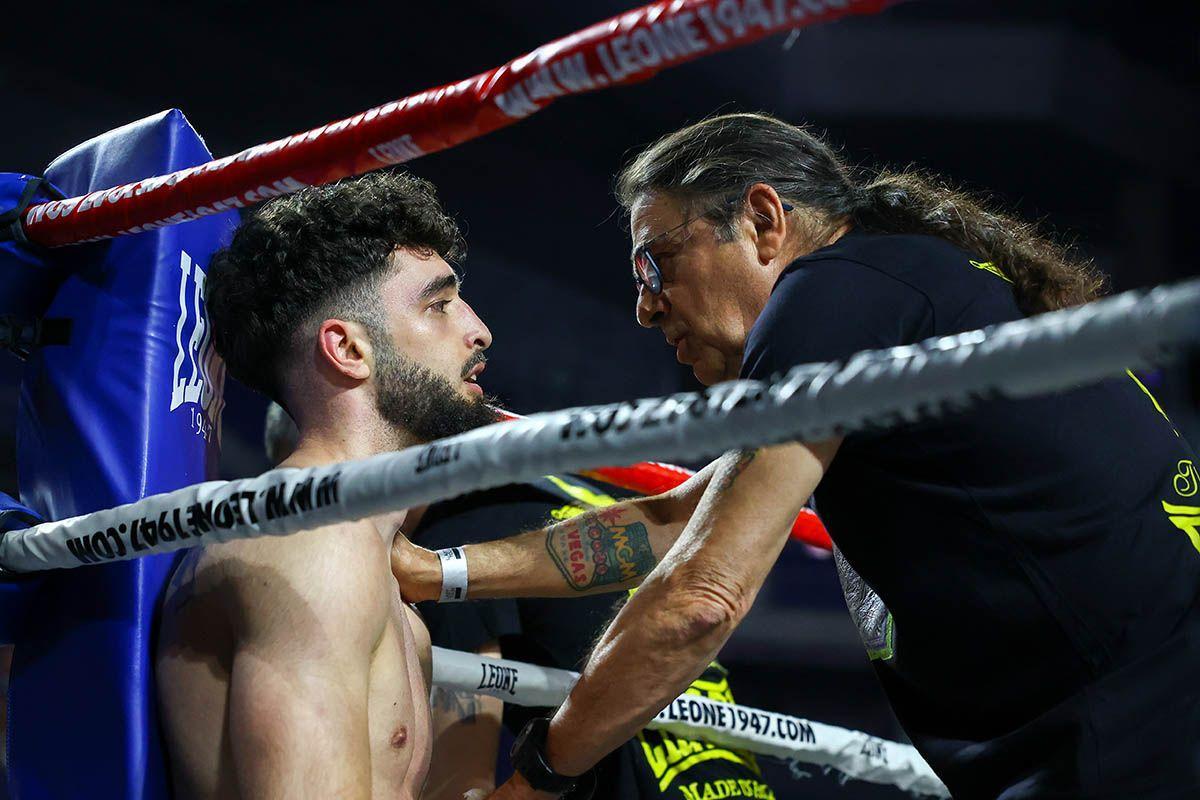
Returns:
<point x="413" y="398"/>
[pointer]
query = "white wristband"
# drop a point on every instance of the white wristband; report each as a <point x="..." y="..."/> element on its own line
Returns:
<point x="454" y="575"/>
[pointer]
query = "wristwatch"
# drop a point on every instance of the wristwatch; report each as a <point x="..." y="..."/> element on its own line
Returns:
<point x="528" y="756"/>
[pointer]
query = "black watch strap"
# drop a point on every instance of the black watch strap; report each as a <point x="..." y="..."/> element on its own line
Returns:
<point x="528" y="757"/>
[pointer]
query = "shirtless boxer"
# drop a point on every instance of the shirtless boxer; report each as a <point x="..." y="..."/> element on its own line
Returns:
<point x="289" y="667"/>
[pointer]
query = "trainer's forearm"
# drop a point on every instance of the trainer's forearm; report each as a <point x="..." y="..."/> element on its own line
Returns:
<point x="684" y="612"/>
<point x="657" y="645"/>
<point x="605" y="550"/>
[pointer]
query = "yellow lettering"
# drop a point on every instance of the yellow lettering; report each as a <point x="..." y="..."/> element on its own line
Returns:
<point x="725" y="788"/>
<point x="1186" y="480"/>
<point x="713" y="690"/>
<point x="679" y="749"/>
<point x="628" y="569"/>
<point x="677" y="769"/>
<point x="624" y="554"/>
<point x="656" y="757"/>
<point x="620" y="540"/>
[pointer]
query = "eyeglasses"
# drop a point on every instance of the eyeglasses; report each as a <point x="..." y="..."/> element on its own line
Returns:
<point x="646" y="271"/>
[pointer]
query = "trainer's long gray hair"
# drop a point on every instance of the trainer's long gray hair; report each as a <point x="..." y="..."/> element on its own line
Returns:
<point x="706" y="164"/>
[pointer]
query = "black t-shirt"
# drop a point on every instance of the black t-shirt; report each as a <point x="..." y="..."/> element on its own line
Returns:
<point x="560" y="633"/>
<point x="1038" y="557"/>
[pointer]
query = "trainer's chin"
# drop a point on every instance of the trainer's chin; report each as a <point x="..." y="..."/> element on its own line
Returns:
<point x="709" y="368"/>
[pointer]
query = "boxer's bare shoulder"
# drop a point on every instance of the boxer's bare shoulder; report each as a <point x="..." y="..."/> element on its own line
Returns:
<point x="289" y="667"/>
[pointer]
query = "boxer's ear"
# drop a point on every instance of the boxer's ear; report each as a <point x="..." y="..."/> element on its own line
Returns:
<point x="345" y="348"/>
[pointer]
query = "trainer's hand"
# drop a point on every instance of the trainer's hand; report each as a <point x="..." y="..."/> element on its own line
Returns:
<point x="417" y="570"/>
<point x="517" y="788"/>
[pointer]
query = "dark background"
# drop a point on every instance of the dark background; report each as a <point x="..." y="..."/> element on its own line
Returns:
<point x="1081" y="114"/>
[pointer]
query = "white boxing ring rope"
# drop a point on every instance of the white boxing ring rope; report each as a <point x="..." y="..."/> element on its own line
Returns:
<point x="876" y="388"/>
<point x="852" y="753"/>
<point x="880" y="388"/>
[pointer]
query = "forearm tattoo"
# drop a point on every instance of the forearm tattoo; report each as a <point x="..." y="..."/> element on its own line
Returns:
<point x="600" y="548"/>
<point x="730" y="474"/>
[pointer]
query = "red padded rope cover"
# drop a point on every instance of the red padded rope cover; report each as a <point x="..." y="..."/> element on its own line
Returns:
<point x="653" y="477"/>
<point x="627" y="48"/>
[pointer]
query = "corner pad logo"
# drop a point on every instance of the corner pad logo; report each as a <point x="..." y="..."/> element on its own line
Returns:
<point x="198" y="377"/>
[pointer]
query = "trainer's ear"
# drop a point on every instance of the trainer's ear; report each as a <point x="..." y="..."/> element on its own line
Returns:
<point x="768" y="219"/>
<point x="344" y="347"/>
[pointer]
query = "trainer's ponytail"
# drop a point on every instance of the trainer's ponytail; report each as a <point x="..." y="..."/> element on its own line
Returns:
<point x="1044" y="275"/>
<point x="721" y="157"/>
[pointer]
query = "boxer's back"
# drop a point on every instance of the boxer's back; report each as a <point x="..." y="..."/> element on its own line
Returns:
<point x="290" y="667"/>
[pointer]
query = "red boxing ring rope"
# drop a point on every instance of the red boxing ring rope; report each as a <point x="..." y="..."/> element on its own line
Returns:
<point x="651" y="477"/>
<point x="621" y="50"/>
<point x="654" y="477"/>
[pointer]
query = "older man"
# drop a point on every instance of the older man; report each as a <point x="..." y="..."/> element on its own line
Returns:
<point x="1044" y="630"/>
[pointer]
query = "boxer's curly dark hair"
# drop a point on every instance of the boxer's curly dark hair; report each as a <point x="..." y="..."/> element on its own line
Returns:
<point x="706" y="164"/>
<point x="312" y="255"/>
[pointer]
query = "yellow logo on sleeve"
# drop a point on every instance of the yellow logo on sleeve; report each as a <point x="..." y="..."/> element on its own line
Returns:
<point x="1185" y="518"/>
<point x="988" y="266"/>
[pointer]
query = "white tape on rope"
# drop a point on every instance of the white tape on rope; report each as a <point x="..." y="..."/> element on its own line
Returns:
<point x="511" y="681"/>
<point x="852" y="753"/>
<point x="876" y="388"/>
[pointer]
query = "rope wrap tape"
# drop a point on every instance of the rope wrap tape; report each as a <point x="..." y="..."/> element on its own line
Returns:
<point x="811" y="402"/>
<point x="624" y="49"/>
<point x="853" y="753"/>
